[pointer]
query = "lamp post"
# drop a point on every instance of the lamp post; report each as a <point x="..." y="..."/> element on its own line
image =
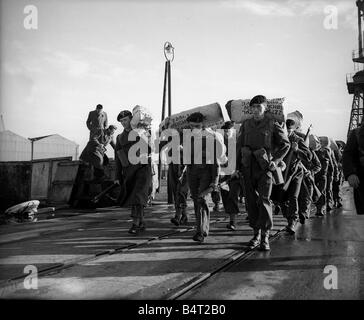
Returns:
<point x="169" y="55"/>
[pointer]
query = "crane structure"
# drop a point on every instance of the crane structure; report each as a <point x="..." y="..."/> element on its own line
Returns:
<point x="355" y="81"/>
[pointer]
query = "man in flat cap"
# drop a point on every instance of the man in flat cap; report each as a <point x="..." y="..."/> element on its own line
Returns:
<point x="133" y="171"/>
<point x="261" y="146"/>
<point x="96" y="121"/>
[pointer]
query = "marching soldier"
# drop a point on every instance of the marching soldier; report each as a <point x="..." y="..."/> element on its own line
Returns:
<point x="294" y="175"/>
<point x="262" y="144"/>
<point x="332" y="177"/>
<point x="321" y="179"/>
<point x="230" y="193"/>
<point x="308" y="188"/>
<point x="339" y="181"/>
<point x="178" y="179"/>
<point x="133" y="175"/>
<point x="202" y="177"/>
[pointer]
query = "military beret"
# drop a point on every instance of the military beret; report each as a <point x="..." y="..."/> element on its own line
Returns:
<point x="290" y="123"/>
<point x="196" y="117"/>
<point x="123" y="114"/>
<point x="258" y="100"/>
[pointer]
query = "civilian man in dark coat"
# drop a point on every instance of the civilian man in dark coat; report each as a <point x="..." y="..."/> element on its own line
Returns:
<point x="96" y="121"/>
<point x="353" y="165"/>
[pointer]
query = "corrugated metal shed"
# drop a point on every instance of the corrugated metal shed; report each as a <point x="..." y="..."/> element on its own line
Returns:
<point x="14" y="147"/>
<point x="54" y="146"/>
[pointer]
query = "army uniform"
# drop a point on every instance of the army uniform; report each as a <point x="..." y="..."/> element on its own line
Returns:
<point x="337" y="183"/>
<point x="260" y="143"/>
<point x="294" y="175"/>
<point x="178" y="179"/>
<point x="321" y="179"/>
<point x="201" y="177"/>
<point x="332" y="176"/>
<point x="135" y="178"/>
<point x="307" y="188"/>
<point x="230" y="193"/>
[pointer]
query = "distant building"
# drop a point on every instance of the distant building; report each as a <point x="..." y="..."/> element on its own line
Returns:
<point x="14" y="147"/>
<point x="53" y="146"/>
<point x="17" y="148"/>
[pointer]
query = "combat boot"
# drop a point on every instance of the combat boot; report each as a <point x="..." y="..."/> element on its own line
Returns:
<point x="175" y="221"/>
<point x="142" y="226"/>
<point x="184" y="218"/>
<point x="291" y="227"/>
<point x="319" y="212"/>
<point x="255" y="240"/>
<point x="264" y="243"/>
<point x="134" y="229"/>
<point x="231" y="226"/>
<point x="198" y="237"/>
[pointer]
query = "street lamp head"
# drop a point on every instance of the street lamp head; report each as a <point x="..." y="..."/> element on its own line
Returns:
<point x="168" y="51"/>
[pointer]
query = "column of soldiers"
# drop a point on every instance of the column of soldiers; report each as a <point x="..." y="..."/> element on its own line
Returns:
<point x="312" y="174"/>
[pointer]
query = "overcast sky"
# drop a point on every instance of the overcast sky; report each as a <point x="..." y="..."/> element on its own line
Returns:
<point x="111" y="52"/>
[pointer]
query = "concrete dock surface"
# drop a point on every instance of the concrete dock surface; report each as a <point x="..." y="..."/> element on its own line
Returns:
<point x="88" y="254"/>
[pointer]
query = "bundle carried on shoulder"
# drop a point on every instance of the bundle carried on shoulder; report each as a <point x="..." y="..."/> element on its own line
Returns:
<point x="142" y="118"/>
<point x="298" y="119"/>
<point x="239" y="110"/>
<point x="212" y="113"/>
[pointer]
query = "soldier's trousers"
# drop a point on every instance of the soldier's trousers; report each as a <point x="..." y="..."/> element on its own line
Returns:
<point x="321" y="181"/>
<point x="199" y="179"/>
<point x="215" y="196"/>
<point x="336" y="190"/>
<point x="291" y="206"/>
<point x="329" y="186"/>
<point x="258" y="187"/>
<point x="179" y="188"/>
<point x="305" y="198"/>
<point x="137" y="211"/>
<point x="230" y="199"/>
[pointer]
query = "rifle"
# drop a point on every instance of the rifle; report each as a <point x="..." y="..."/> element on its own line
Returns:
<point x="101" y="194"/>
<point x="289" y="160"/>
<point x="222" y="185"/>
<point x="316" y="191"/>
